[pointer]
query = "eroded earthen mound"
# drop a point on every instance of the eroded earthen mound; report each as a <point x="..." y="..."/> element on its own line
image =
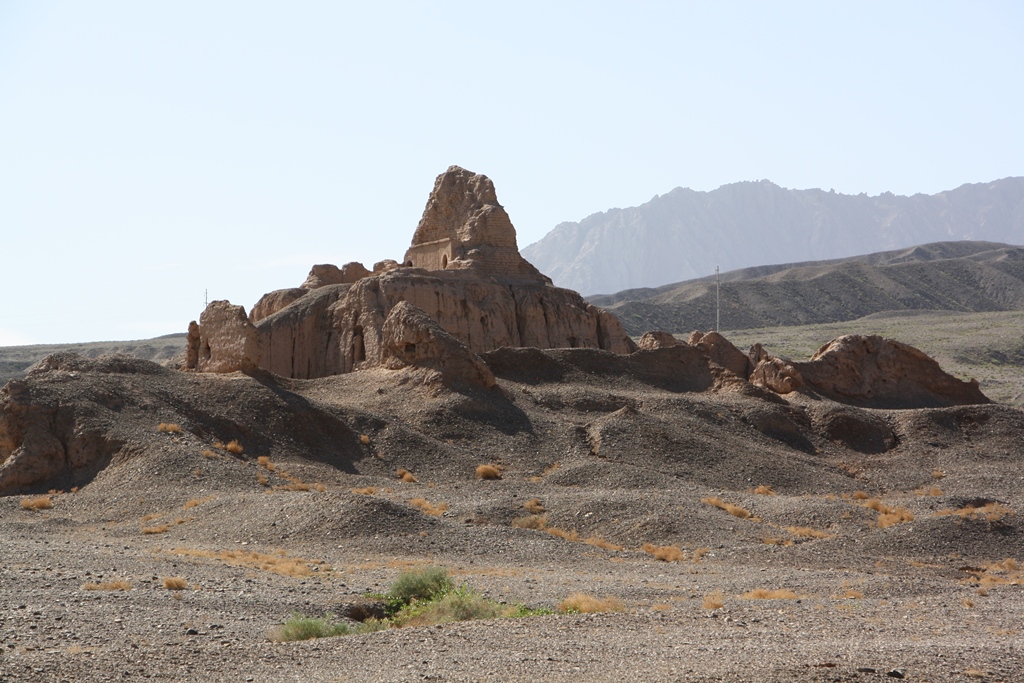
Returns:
<point x="872" y="371"/>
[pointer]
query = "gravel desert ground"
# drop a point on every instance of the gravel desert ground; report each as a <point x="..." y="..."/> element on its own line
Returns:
<point x="806" y="552"/>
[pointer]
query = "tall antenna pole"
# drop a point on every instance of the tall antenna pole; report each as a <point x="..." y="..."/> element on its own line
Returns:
<point x="206" y="298"/>
<point x="718" y="301"/>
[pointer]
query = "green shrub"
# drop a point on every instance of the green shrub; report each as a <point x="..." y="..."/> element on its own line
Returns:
<point x="463" y="604"/>
<point x="306" y="628"/>
<point x="420" y="584"/>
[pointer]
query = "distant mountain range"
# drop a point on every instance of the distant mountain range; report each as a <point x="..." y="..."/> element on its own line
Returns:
<point x="684" y="234"/>
<point x="949" y="276"/>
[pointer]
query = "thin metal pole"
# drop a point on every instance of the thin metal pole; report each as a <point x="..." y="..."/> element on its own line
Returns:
<point x="718" y="301"/>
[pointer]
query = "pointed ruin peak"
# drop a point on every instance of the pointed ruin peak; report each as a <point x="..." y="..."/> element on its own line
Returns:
<point x="464" y="226"/>
<point x="458" y="202"/>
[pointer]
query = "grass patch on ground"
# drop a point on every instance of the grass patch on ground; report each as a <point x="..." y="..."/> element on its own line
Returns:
<point x="424" y="596"/>
<point x="734" y="510"/>
<point x="581" y="603"/>
<point x="665" y="553"/>
<point x="278" y="563"/>
<point x="37" y="503"/>
<point x="118" y="585"/>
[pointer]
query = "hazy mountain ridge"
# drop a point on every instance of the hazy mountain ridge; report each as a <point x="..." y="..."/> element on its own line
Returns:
<point x="951" y="276"/>
<point x="168" y="349"/>
<point x="684" y="234"/>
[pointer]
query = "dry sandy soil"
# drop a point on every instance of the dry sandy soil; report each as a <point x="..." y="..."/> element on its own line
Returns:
<point x="622" y="457"/>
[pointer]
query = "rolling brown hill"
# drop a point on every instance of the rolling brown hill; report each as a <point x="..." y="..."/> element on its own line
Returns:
<point x="947" y="276"/>
<point x="168" y="349"/>
<point x="684" y="233"/>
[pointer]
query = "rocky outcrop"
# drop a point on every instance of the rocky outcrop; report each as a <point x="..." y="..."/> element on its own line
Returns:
<point x="59" y="441"/>
<point x="466" y="275"/>
<point x="722" y="352"/>
<point x="328" y="274"/>
<point x="773" y="373"/>
<point x="656" y="339"/>
<point x="227" y="340"/>
<point x="272" y="302"/>
<point x="409" y="337"/>
<point x="872" y="371"/>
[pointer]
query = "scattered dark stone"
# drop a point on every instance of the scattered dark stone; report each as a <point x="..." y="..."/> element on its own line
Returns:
<point x="895" y="673"/>
<point x="363" y="610"/>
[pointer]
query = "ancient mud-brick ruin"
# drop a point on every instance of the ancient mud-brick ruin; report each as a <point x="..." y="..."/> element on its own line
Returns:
<point x="463" y="270"/>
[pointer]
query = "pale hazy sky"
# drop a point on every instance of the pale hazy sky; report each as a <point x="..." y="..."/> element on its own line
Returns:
<point x="153" y="150"/>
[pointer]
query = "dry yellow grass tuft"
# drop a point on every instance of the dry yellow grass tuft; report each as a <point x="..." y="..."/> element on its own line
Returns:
<point x="234" y="447"/>
<point x="530" y="522"/>
<point x="487" y="472"/>
<point x="765" y="594"/>
<point x="162" y="528"/>
<point x="714" y="600"/>
<point x="264" y="461"/>
<point x="175" y="583"/>
<point x="888" y="516"/>
<point x="534" y="506"/>
<point x="860" y="495"/>
<point x="364" y="439"/>
<point x="928" y="491"/>
<point x="808" y="532"/>
<point x="37" y="503"/>
<point x="405" y="475"/>
<point x="897" y="515"/>
<point x="151" y="516"/>
<point x="119" y="585"/>
<point x="664" y="553"/>
<point x="293" y="486"/>
<point x="599" y="542"/>
<point x="699" y="554"/>
<point x="765" y="491"/>
<point x="990" y="512"/>
<point x="193" y="502"/>
<point x="1007" y="565"/>
<point x="568" y="535"/>
<point x="366" y="491"/>
<point x="734" y="510"/>
<point x="776" y="540"/>
<point x="169" y="427"/>
<point x="279" y="563"/>
<point x="428" y="507"/>
<point x="262" y="479"/>
<point x="581" y="603"/>
<point x="547" y="470"/>
<point x="938" y="474"/>
<point x="209" y="454"/>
